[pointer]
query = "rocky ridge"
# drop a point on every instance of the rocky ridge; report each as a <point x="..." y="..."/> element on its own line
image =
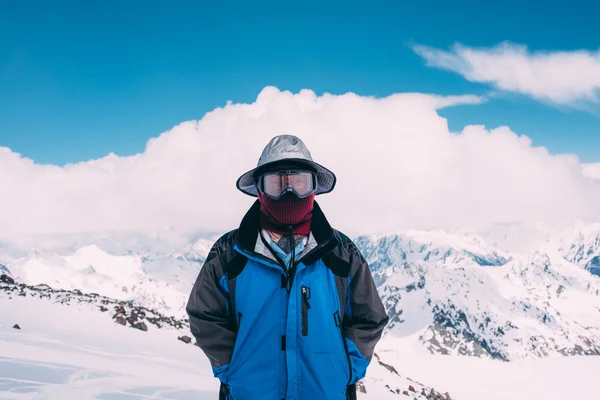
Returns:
<point x="122" y="312"/>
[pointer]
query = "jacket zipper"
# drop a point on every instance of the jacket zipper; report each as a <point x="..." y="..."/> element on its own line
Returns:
<point x="305" y="308"/>
<point x="285" y="270"/>
<point x="338" y="322"/>
<point x="290" y="269"/>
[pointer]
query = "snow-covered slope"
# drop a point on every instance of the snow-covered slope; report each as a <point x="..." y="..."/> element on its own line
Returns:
<point x="580" y="246"/>
<point x="507" y="293"/>
<point x="72" y="345"/>
<point x="67" y="348"/>
<point x="157" y="281"/>
<point x="458" y="295"/>
<point x="73" y="350"/>
<point x="179" y="269"/>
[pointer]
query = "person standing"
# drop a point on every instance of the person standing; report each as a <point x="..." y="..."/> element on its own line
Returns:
<point x="285" y="306"/>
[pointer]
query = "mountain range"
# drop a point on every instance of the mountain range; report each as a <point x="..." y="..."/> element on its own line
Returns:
<point x="507" y="293"/>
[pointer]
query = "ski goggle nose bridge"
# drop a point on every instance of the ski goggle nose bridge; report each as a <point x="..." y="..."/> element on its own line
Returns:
<point x="276" y="184"/>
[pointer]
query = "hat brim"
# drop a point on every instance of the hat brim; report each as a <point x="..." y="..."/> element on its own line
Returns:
<point x="326" y="179"/>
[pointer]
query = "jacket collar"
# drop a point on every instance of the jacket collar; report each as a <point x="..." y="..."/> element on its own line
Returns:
<point x="321" y="229"/>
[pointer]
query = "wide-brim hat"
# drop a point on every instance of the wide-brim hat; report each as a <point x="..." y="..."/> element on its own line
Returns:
<point x="288" y="151"/>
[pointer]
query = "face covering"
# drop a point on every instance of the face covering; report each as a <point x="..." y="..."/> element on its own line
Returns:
<point x="278" y="215"/>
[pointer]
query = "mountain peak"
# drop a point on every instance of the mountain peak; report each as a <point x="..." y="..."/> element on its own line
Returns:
<point x="91" y="250"/>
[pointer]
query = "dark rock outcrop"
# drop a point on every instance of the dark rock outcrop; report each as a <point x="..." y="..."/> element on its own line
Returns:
<point x="7" y="279"/>
<point x="185" y="339"/>
<point x="16" y="326"/>
<point x="360" y="387"/>
<point x="141" y="326"/>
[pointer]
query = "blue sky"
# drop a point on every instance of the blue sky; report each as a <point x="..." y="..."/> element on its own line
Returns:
<point x="81" y="79"/>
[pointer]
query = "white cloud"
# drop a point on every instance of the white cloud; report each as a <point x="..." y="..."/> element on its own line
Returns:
<point x="397" y="163"/>
<point x="592" y="170"/>
<point x="570" y="78"/>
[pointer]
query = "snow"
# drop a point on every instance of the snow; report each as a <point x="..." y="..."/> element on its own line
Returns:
<point x="528" y="294"/>
<point x="462" y="295"/>
<point x="74" y="352"/>
<point x="471" y="378"/>
<point x="69" y="352"/>
<point x="515" y="304"/>
<point x="93" y="270"/>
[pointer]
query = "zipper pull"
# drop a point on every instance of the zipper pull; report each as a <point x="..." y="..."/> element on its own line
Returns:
<point x="306" y="295"/>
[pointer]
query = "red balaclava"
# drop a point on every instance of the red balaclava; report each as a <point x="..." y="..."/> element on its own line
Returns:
<point x="277" y="215"/>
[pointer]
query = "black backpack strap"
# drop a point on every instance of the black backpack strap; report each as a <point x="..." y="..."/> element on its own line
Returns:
<point x="224" y="392"/>
<point x="351" y="392"/>
<point x="233" y="269"/>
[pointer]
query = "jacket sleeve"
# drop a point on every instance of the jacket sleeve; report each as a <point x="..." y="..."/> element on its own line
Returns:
<point x="365" y="315"/>
<point x="207" y="309"/>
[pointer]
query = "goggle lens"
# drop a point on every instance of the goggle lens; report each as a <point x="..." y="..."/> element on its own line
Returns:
<point x="277" y="184"/>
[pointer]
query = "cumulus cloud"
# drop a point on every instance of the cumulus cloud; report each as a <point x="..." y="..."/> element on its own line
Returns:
<point x="398" y="166"/>
<point x="592" y="170"/>
<point x="566" y="78"/>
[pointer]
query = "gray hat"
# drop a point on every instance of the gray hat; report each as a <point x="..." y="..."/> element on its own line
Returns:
<point x="286" y="150"/>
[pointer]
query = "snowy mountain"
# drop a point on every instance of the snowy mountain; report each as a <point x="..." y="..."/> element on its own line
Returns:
<point x="159" y="282"/>
<point x="459" y="295"/>
<point x="507" y="293"/>
<point x="582" y="247"/>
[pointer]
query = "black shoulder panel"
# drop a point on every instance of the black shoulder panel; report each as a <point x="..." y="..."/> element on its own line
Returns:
<point x="232" y="263"/>
<point x="336" y="264"/>
<point x="341" y="259"/>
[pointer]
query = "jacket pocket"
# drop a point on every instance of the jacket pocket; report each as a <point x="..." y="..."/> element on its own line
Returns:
<point x="305" y="307"/>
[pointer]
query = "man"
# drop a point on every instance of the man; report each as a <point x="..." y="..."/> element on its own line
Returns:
<point x="285" y="307"/>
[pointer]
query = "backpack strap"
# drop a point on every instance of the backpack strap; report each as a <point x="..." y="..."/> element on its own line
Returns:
<point x="223" y="392"/>
<point x="351" y="392"/>
<point x="233" y="268"/>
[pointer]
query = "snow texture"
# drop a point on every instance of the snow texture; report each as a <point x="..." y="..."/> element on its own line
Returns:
<point x="510" y="299"/>
<point x="68" y="346"/>
<point x="457" y="294"/>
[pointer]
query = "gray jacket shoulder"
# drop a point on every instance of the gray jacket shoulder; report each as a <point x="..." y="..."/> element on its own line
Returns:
<point x="346" y="258"/>
<point x="222" y="253"/>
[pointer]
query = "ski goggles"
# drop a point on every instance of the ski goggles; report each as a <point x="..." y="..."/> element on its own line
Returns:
<point x="278" y="183"/>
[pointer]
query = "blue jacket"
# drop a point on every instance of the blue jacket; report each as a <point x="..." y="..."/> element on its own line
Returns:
<point x="307" y="332"/>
